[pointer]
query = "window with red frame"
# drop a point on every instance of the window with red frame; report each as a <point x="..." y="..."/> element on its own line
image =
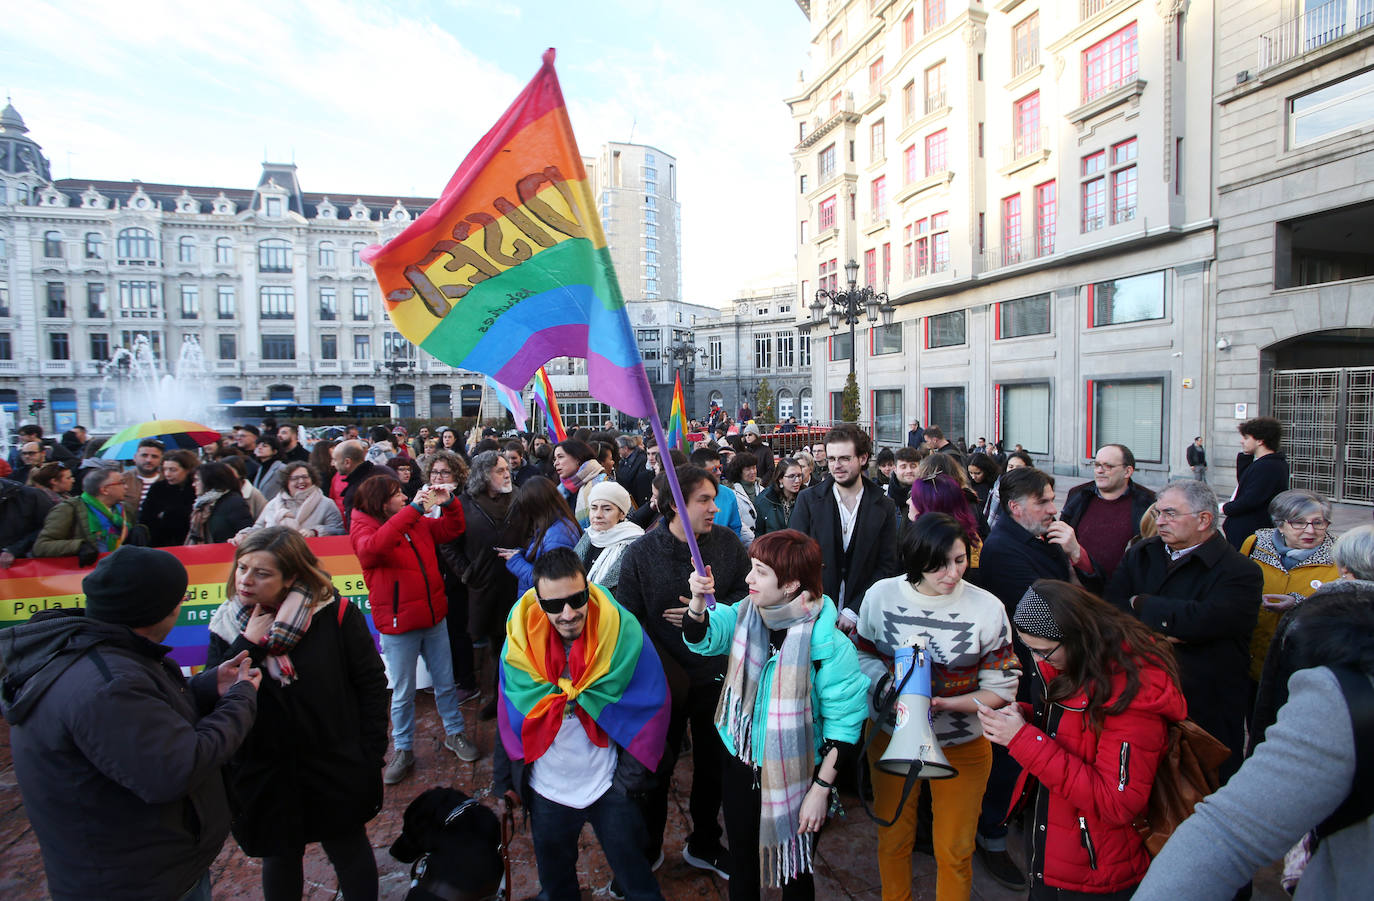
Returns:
<point x="875" y="76"/>
<point x="1094" y="191"/>
<point x="939" y="242"/>
<point x="871" y="267"/>
<point x="937" y="159"/>
<point x="909" y="171"/>
<point x="935" y="88"/>
<point x="878" y="196"/>
<point x="1025" y="125"/>
<point x="1011" y="229"/>
<point x="909" y="29"/>
<point x="825" y="165"/>
<point x="1110" y="63"/>
<point x="826" y="215"/>
<point x="877" y="140"/>
<point x="836" y="43"/>
<point x="909" y="103"/>
<point x="887" y="265"/>
<point x="830" y="276"/>
<point x="1123" y="195"/>
<point x="921" y="247"/>
<point x="907" y="269"/>
<point x="835" y="102"/>
<point x="1046" y="213"/>
<point x="933" y="14"/>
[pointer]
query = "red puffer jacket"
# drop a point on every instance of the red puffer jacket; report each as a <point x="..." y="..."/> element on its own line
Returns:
<point x="401" y="567"/>
<point x="1087" y="788"/>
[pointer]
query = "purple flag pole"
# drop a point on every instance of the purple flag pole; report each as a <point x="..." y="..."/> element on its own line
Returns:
<point x="680" y="505"/>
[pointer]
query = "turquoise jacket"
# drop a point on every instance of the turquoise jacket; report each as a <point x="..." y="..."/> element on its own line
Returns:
<point x="839" y="689"/>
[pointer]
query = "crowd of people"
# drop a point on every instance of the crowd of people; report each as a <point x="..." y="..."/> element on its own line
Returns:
<point x="1066" y="640"/>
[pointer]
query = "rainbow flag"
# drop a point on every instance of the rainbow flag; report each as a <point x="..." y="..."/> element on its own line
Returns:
<point x="543" y="393"/>
<point x="511" y="400"/>
<point x="509" y="268"/>
<point x="616" y="681"/>
<point x="677" y="420"/>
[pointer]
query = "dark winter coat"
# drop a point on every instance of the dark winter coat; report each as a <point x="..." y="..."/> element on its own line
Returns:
<point x="166" y="511"/>
<point x="361" y="473"/>
<point x="1260" y="483"/>
<point x="489" y="523"/>
<point x="1012" y="559"/>
<point x="67" y="527"/>
<point x="766" y="462"/>
<point x="229" y="516"/>
<point x="118" y="757"/>
<point x="1085" y="789"/>
<point x="23" y="509"/>
<point x="772" y="512"/>
<point x="1208" y="601"/>
<point x="401" y="566"/>
<point x="311" y="768"/>
<point x="1080" y="496"/>
<point x="872" y="551"/>
<point x="653" y="578"/>
<point x="634" y="476"/>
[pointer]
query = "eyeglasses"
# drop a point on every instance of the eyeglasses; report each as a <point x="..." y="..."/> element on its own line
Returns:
<point x="555" y="605"/>
<point x="1044" y="655"/>
<point x="1106" y="467"/>
<point x="1301" y="525"/>
<point x="1170" y="514"/>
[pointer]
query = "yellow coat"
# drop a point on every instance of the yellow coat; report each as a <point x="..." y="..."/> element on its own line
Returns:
<point x="1302" y="580"/>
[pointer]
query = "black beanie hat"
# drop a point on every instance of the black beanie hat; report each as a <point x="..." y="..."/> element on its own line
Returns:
<point x="135" y="587"/>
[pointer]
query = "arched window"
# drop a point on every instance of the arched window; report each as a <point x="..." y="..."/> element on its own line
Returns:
<point x="364" y="394"/>
<point x="52" y="244"/>
<point x="135" y="246"/>
<point x="224" y="252"/>
<point x="440" y="402"/>
<point x="327" y="255"/>
<point x="331" y="394"/>
<point x="358" y="255"/>
<point x="229" y="394"/>
<point x="186" y="249"/>
<point x="784" y="403"/>
<point x="95" y="246"/>
<point x="274" y="255"/>
<point x="403" y="396"/>
<point x="281" y="392"/>
<point x="717" y="398"/>
<point x="804" y="400"/>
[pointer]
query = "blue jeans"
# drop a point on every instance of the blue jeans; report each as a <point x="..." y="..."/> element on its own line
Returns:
<point x="401" y="652"/>
<point x="618" y="826"/>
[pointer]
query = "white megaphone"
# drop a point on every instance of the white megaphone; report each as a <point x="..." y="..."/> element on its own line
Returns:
<point x="913" y="741"/>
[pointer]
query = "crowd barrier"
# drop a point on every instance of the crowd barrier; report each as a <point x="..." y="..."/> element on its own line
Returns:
<point x="52" y="582"/>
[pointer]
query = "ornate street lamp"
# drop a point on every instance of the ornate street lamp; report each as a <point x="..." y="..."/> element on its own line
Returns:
<point x="844" y="307"/>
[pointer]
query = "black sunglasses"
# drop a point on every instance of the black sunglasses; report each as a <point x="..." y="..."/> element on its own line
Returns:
<point x="555" y="605"/>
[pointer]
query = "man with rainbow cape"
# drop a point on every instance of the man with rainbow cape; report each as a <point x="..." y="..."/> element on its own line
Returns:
<point x="582" y="714"/>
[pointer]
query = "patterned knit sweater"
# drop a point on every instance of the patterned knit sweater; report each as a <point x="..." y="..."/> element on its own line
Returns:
<point x="967" y="636"/>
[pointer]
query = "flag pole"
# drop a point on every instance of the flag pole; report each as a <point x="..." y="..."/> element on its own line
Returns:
<point x="679" y="504"/>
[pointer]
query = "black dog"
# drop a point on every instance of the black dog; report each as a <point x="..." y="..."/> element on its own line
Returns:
<point x="454" y="846"/>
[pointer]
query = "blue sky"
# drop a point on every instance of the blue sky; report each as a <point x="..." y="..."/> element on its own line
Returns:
<point x="202" y="92"/>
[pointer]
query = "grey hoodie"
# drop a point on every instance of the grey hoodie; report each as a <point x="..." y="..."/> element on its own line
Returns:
<point x="118" y="757"/>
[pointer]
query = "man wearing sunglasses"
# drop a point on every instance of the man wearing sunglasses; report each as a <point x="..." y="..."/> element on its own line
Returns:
<point x="582" y="717"/>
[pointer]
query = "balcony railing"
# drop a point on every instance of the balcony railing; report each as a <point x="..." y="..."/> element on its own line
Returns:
<point x="1025" y="145"/>
<point x="1314" y="29"/>
<point x="1022" y="251"/>
<point x="1089" y="8"/>
<point x="935" y="102"/>
<point x="1024" y="62"/>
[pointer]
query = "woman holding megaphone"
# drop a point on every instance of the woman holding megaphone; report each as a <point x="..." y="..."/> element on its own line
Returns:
<point x="963" y="635"/>
<point x="793" y="696"/>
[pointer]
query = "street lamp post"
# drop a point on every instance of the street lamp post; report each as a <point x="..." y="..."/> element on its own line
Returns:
<point x="680" y="352"/>
<point x="845" y="306"/>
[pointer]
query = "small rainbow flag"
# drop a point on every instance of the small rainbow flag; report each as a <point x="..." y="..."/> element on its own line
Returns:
<point x="511" y="400"/>
<point x="509" y="268"/>
<point x="677" y="419"/>
<point x="543" y="393"/>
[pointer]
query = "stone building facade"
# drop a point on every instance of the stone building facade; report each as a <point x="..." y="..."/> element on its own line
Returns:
<point x="757" y="337"/>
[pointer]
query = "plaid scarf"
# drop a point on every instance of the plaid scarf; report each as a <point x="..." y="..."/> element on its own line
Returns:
<point x="289" y="627"/>
<point x="789" y="750"/>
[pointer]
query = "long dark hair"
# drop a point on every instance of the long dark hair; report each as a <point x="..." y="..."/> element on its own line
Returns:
<point x="1099" y="641"/>
<point x="538" y="507"/>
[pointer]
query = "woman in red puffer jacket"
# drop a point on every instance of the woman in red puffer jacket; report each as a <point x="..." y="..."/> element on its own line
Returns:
<point x="1106" y="690"/>
<point x="395" y="543"/>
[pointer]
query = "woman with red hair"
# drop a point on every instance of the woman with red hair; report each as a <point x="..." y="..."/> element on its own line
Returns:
<point x="793" y="697"/>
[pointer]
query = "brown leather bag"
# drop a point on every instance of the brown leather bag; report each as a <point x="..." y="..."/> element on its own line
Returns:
<point x="1187" y="773"/>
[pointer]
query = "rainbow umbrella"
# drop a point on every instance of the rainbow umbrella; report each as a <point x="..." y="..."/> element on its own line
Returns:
<point x="173" y="433"/>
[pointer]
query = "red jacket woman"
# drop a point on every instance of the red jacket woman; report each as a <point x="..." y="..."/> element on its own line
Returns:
<point x="1106" y="691"/>
<point x="401" y="566"/>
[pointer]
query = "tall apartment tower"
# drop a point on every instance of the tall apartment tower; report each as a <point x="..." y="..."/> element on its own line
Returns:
<point x="1030" y="181"/>
<point x="636" y="191"/>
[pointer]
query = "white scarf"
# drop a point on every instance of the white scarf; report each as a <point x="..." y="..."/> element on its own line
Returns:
<point x="613" y="543"/>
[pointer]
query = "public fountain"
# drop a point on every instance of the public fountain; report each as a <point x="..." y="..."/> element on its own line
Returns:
<point x="134" y="386"/>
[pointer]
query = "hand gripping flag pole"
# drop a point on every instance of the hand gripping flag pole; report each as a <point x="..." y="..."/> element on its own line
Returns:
<point x="510" y="268"/>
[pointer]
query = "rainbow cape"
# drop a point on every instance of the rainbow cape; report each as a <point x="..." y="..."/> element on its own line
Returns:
<point x="677" y="420"/>
<point x="617" y="681"/>
<point x="509" y="268"/>
<point x="543" y="394"/>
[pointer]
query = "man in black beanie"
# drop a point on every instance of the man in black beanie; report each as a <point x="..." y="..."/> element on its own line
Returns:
<point x="117" y="755"/>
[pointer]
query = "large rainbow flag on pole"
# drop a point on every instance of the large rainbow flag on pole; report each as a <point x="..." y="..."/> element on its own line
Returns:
<point x="509" y="268"/>
<point x="543" y="394"/>
<point x="677" y="419"/>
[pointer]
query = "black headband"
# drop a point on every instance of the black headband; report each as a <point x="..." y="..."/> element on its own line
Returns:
<point x="1033" y="617"/>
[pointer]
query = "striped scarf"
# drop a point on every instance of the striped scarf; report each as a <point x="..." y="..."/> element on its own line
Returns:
<point x="105" y="525"/>
<point x="789" y="751"/>
<point x="288" y="628"/>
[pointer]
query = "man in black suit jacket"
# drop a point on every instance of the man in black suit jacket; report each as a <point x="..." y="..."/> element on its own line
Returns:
<point x="852" y="520"/>
<point x="1191" y="585"/>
